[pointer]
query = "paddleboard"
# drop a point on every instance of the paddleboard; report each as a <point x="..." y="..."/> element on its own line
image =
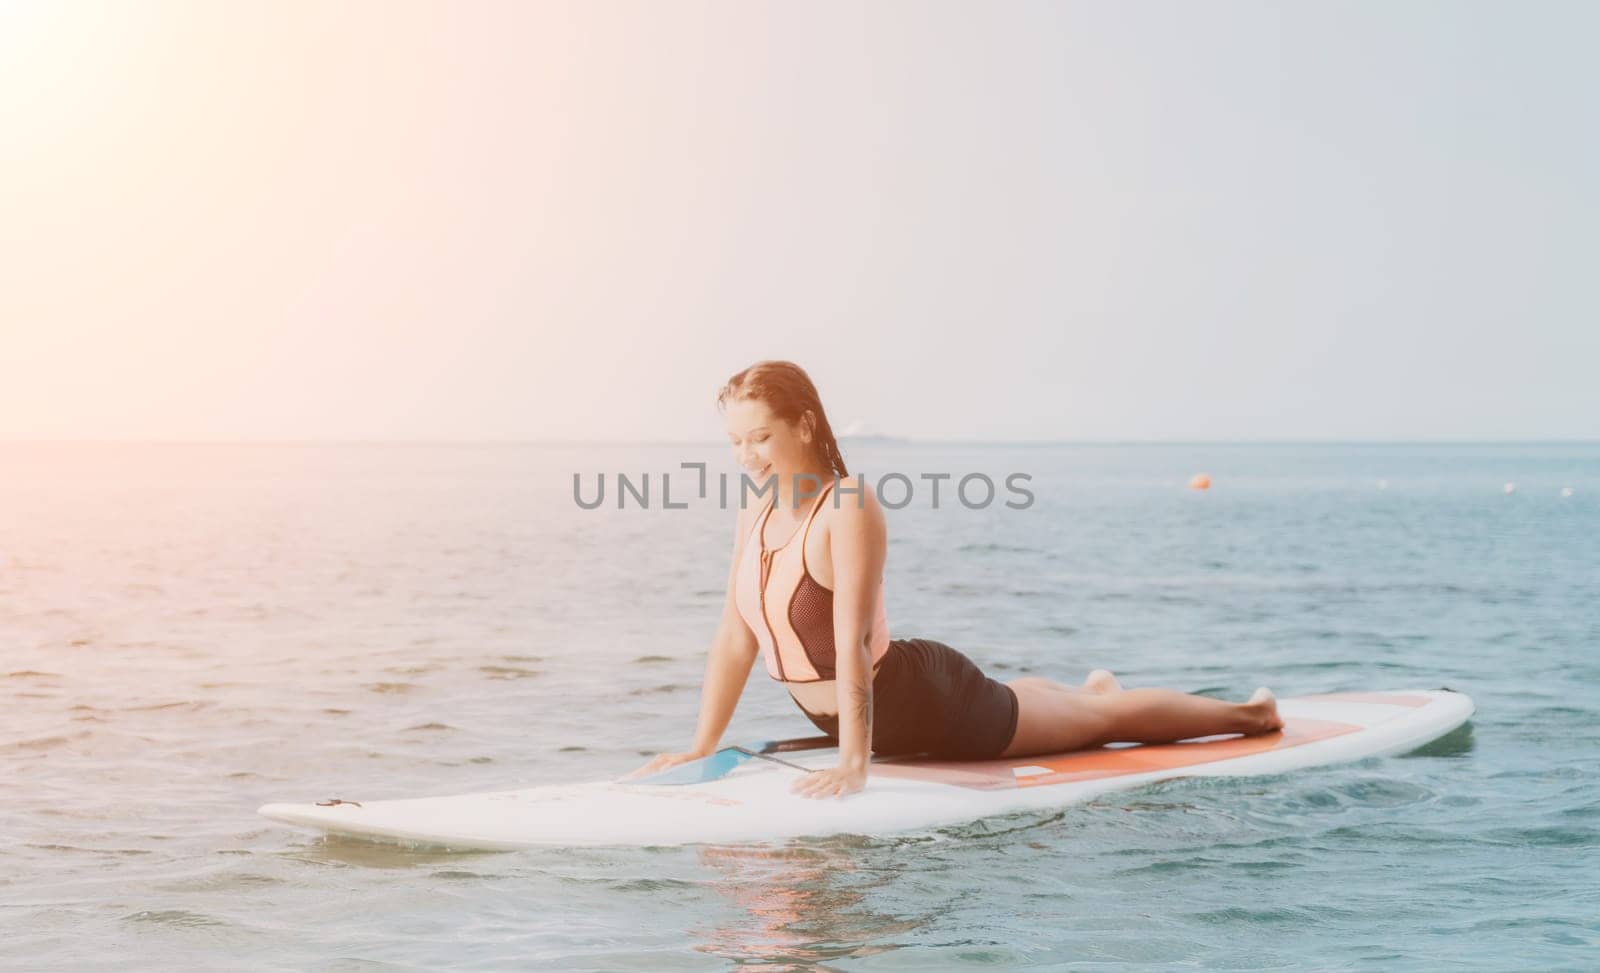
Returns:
<point x="742" y="794"/>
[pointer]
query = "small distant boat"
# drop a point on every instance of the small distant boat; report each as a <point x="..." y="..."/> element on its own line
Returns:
<point x="859" y="432"/>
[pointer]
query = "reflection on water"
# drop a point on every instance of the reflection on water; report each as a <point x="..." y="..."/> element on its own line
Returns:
<point x="1456" y="743"/>
<point x="367" y="853"/>
<point x="802" y="905"/>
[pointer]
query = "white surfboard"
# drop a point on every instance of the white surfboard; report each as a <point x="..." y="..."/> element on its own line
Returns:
<point x="749" y="799"/>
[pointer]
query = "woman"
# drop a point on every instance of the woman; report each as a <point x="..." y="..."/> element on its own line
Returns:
<point x="805" y="590"/>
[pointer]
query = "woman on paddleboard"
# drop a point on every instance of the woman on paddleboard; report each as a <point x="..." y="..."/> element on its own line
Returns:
<point x="805" y="591"/>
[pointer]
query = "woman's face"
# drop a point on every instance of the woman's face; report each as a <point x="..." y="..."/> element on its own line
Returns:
<point x="765" y="445"/>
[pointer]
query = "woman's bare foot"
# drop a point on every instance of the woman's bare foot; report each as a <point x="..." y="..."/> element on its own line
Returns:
<point x="1265" y="706"/>
<point x="1102" y="681"/>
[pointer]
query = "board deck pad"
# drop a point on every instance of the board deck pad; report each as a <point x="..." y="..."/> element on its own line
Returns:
<point x="1109" y="762"/>
<point x="752" y="801"/>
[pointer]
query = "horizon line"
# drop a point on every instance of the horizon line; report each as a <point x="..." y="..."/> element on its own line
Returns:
<point x="876" y="440"/>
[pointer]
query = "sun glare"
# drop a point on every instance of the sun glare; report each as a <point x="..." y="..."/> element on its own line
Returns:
<point x="25" y="24"/>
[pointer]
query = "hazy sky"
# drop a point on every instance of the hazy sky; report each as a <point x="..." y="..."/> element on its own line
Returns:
<point x="229" y="220"/>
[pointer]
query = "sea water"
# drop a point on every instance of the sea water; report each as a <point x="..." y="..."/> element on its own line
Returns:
<point x="189" y="631"/>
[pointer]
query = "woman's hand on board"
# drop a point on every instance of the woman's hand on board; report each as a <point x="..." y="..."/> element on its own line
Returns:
<point x="833" y="782"/>
<point x="665" y="761"/>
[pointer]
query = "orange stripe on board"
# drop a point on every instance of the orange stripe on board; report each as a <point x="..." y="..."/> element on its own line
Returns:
<point x="1387" y="699"/>
<point x="1104" y="762"/>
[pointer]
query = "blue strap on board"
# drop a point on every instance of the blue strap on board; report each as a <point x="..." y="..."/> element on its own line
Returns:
<point x="724" y="761"/>
<point x="719" y="764"/>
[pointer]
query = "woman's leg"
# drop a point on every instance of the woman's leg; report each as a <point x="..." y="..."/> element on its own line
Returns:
<point x="1099" y="681"/>
<point x="1102" y="681"/>
<point x="1050" y="720"/>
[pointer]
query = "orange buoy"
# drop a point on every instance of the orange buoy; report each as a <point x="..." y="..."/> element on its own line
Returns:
<point x="1200" y="481"/>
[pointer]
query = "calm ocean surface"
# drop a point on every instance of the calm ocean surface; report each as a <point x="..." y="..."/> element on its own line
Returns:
<point x="189" y="631"/>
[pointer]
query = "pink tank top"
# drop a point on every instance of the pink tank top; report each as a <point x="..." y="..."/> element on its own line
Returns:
<point x="790" y="611"/>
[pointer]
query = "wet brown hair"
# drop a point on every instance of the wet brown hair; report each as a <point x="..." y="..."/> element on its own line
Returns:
<point x="789" y="393"/>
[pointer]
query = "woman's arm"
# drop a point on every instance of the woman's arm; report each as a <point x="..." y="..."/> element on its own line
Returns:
<point x="858" y="543"/>
<point x="733" y="652"/>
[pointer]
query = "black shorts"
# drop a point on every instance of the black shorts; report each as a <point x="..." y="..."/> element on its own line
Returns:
<point x="928" y="698"/>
